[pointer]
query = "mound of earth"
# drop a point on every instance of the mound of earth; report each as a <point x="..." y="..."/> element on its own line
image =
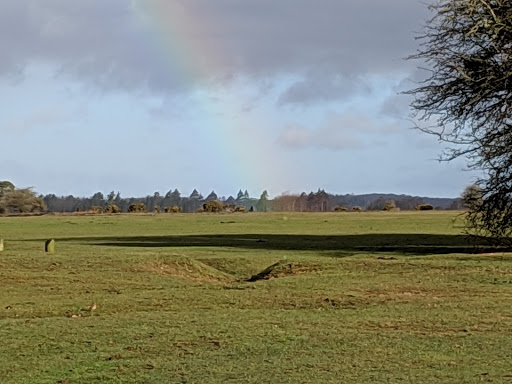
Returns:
<point x="187" y="268"/>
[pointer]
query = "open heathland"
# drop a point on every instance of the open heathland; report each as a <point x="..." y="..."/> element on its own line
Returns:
<point x="352" y="297"/>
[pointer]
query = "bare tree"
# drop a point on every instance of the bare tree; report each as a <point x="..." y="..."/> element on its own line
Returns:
<point x="466" y="99"/>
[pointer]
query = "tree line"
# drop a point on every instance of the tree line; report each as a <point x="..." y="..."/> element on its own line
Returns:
<point x="25" y="200"/>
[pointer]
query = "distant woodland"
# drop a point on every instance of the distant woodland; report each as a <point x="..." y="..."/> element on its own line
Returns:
<point x="25" y="200"/>
<point x="174" y="201"/>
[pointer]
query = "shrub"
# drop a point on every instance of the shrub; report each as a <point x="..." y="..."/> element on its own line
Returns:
<point x="137" y="208"/>
<point x="390" y="206"/>
<point x="212" y="206"/>
<point x="239" y="208"/>
<point x="112" y="208"/>
<point x="173" y="209"/>
<point x="229" y="207"/>
<point x="424" y="207"/>
<point x="156" y="209"/>
<point x="341" y="209"/>
<point x="95" y="209"/>
<point x="20" y="200"/>
<point x="357" y="209"/>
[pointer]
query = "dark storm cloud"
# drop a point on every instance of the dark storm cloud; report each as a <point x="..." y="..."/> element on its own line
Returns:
<point x="329" y="46"/>
<point x="97" y="41"/>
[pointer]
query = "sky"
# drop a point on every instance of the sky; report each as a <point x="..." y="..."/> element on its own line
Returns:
<point x="139" y="96"/>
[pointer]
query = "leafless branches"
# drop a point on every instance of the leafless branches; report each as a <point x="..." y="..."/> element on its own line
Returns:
<point x="467" y="46"/>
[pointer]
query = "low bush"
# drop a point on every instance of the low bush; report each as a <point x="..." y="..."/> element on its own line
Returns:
<point x="137" y="208"/>
<point x="112" y="208"/>
<point x="95" y="209"/>
<point x="390" y="206"/>
<point x="173" y="209"/>
<point x="424" y="207"/>
<point x="212" y="206"/>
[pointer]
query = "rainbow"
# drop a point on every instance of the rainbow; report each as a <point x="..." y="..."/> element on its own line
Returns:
<point x="243" y="154"/>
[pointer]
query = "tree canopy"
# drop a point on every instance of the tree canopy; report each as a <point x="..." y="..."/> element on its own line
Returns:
<point x="466" y="99"/>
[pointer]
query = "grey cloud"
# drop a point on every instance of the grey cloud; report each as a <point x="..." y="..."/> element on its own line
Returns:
<point x="98" y="41"/>
<point x="298" y="137"/>
<point x="339" y="132"/>
<point x="295" y="136"/>
<point x="322" y="87"/>
<point x="398" y="105"/>
<point x="336" y="133"/>
<point x="327" y="45"/>
<point x="41" y="117"/>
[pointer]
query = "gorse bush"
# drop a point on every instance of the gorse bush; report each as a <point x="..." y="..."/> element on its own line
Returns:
<point x="112" y="208"/>
<point x="213" y="206"/>
<point x="19" y="200"/>
<point x="172" y="209"/>
<point x="425" y="207"/>
<point x="96" y="209"/>
<point x="390" y="206"/>
<point x="137" y="208"/>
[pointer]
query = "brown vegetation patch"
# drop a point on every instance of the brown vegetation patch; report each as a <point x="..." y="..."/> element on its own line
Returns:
<point x="344" y="302"/>
<point x="281" y="269"/>
<point x="431" y="297"/>
<point x="186" y="268"/>
<point x="309" y="302"/>
<point x="231" y="266"/>
<point x="399" y="293"/>
<point x="293" y="269"/>
<point x="423" y="328"/>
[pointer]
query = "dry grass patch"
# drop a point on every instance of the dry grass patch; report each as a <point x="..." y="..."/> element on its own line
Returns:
<point x="186" y="268"/>
<point x="294" y="269"/>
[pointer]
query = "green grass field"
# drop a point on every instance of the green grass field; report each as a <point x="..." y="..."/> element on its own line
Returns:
<point x="357" y="298"/>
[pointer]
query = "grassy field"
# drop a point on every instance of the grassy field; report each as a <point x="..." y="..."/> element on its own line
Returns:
<point x="356" y="298"/>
